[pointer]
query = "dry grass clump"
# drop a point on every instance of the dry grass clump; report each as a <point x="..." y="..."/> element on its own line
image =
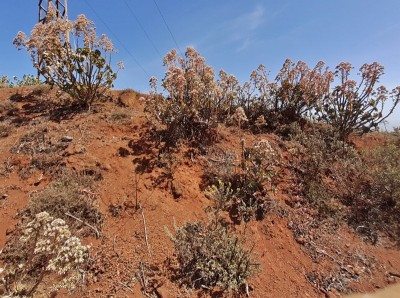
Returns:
<point x="7" y="106"/>
<point x="5" y="129"/>
<point x="44" y="149"/>
<point x="209" y="256"/>
<point x="70" y="193"/>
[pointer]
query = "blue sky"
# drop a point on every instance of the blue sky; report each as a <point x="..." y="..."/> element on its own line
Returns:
<point x="233" y="35"/>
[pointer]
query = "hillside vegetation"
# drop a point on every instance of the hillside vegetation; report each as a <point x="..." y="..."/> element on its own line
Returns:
<point x="205" y="187"/>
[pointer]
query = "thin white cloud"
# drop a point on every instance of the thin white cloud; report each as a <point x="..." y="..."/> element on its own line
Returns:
<point x="244" y="27"/>
<point x="240" y="32"/>
<point x="245" y="44"/>
<point x="249" y="22"/>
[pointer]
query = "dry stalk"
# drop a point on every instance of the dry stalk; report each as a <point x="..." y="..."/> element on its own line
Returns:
<point x="145" y="230"/>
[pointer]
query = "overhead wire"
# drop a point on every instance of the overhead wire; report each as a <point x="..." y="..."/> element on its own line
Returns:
<point x="166" y="25"/>
<point x="117" y="39"/>
<point x="142" y="28"/>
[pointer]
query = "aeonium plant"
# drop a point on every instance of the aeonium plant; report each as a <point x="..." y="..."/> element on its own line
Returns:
<point x="69" y="55"/>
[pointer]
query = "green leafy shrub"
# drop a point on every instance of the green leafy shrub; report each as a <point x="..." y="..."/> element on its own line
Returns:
<point x="27" y="80"/>
<point x="47" y="248"/>
<point x="81" y="67"/>
<point x="241" y="189"/>
<point x="209" y="256"/>
<point x="329" y="170"/>
<point x="357" y="106"/>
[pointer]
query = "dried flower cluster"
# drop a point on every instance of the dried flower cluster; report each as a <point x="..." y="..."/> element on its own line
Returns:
<point x="240" y="117"/>
<point x="50" y="248"/>
<point x="80" y="67"/>
<point x="196" y="102"/>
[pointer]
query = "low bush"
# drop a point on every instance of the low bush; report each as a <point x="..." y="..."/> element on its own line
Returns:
<point x="209" y="256"/>
<point x="377" y="208"/>
<point x="329" y="170"/>
<point x="27" y="80"/>
<point x="241" y="189"/>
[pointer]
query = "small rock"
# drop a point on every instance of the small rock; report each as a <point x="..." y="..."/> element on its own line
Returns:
<point x="334" y="293"/>
<point x="74" y="150"/>
<point x="3" y="196"/>
<point x="106" y="167"/>
<point x="176" y="190"/>
<point x="301" y="240"/>
<point x="67" y="139"/>
<point x="127" y="99"/>
<point x="162" y="292"/>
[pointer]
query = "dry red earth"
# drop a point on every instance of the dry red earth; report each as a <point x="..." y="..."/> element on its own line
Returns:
<point x="114" y="141"/>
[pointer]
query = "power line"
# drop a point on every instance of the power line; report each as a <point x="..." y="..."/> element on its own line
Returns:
<point x="144" y="31"/>
<point x="116" y="37"/>
<point x="166" y="25"/>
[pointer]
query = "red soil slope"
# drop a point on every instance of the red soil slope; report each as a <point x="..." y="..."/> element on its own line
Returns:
<point x="114" y="142"/>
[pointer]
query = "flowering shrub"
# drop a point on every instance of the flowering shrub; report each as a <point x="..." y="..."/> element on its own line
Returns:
<point x="49" y="248"/>
<point x="357" y="106"/>
<point x="81" y="67"/>
<point x="195" y="101"/>
<point x="301" y="88"/>
<point x="296" y="91"/>
<point x="239" y="117"/>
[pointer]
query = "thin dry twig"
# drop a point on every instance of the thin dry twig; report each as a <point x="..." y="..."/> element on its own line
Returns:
<point x="117" y="254"/>
<point x="145" y="230"/>
<point x="86" y="224"/>
<point x="125" y="286"/>
<point x="394" y="274"/>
